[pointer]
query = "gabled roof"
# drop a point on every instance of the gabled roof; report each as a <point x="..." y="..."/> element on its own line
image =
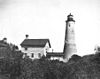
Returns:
<point x="35" y="43"/>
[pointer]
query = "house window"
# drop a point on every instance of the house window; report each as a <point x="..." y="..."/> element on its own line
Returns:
<point x="25" y="48"/>
<point x="32" y="55"/>
<point x="69" y="25"/>
<point x="39" y="55"/>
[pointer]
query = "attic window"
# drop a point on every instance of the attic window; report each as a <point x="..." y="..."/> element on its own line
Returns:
<point x="25" y="48"/>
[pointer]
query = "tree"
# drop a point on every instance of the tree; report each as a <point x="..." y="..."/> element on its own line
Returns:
<point x="74" y="58"/>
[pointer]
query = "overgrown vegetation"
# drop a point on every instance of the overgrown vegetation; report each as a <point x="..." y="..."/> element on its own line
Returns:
<point x="86" y="67"/>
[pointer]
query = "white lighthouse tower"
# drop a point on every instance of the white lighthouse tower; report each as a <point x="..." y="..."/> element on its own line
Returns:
<point x="69" y="44"/>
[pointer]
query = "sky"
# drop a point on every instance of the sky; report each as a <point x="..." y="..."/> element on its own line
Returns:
<point x="46" y="19"/>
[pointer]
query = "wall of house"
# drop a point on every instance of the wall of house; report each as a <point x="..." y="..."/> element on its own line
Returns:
<point x="37" y="52"/>
<point x="34" y="51"/>
<point x="46" y="48"/>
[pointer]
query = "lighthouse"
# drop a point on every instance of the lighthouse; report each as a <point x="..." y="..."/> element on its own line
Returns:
<point x="69" y="43"/>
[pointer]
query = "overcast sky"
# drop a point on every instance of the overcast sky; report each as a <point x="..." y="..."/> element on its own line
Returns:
<point x="46" y="19"/>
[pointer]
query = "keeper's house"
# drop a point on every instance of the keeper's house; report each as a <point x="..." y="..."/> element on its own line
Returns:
<point x="35" y="48"/>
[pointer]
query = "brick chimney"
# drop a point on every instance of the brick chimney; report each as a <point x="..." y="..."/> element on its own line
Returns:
<point x="26" y="36"/>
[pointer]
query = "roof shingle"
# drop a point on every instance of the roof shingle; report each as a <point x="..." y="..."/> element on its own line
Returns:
<point x="35" y="42"/>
